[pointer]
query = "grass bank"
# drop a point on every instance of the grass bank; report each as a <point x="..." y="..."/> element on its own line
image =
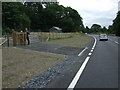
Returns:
<point x="19" y="65"/>
<point x="77" y="40"/>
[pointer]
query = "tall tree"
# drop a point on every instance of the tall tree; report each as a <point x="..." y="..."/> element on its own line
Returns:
<point x="96" y="27"/>
<point x="33" y="15"/>
<point x="116" y="24"/>
<point x="13" y="16"/>
<point x="111" y="30"/>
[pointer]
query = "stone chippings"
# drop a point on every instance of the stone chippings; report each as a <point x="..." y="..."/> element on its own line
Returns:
<point x="44" y="78"/>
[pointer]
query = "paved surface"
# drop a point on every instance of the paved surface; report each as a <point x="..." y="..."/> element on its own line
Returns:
<point x="102" y="69"/>
<point x="63" y="69"/>
<point x="100" y="72"/>
<point x="52" y="48"/>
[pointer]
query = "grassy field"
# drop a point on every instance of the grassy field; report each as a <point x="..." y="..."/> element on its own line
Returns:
<point x="19" y="65"/>
<point x="77" y="40"/>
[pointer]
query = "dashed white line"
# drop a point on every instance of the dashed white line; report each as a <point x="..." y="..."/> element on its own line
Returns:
<point x="91" y="51"/>
<point x="90" y="54"/>
<point x="79" y="73"/>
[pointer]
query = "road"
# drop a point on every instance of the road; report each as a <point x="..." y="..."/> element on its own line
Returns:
<point x="100" y="71"/>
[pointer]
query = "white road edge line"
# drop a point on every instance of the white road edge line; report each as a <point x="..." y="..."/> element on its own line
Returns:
<point x="90" y="54"/>
<point x="82" y="51"/>
<point x="91" y="51"/>
<point x="76" y="78"/>
<point x="94" y="43"/>
<point x="79" y="73"/>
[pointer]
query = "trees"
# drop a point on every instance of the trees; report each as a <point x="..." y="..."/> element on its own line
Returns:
<point x="95" y="28"/>
<point x="64" y="17"/>
<point x="33" y="15"/>
<point x="111" y="30"/>
<point x="33" y="11"/>
<point x="104" y="30"/>
<point x="13" y="16"/>
<point x="116" y="24"/>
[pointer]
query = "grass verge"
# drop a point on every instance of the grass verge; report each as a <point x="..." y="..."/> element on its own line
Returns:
<point x="19" y="65"/>
<point x="60" y="38"/>
<point x="77" y="40"/>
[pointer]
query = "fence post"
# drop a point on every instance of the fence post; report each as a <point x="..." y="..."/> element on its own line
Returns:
<point x="8" y="40"/>
<point x="14" y="38"/>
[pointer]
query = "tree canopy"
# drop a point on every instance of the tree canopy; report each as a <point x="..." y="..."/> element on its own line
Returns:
<point x="116" y="24"/>
<point x="33" y="15"/>
<point x="96" y="28"/>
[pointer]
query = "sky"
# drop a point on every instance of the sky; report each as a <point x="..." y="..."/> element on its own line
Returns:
<point x="101" y="12"/>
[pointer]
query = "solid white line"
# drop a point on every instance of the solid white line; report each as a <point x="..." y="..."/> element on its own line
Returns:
<point x="75" y="80"/>
<point x="94" y="43"/>
<point x="79" y="73"/>
<point x="82" y="51"/>
<point x="90" y="54"/>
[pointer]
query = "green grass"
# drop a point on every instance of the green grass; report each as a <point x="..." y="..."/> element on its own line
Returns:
<point x="60" y="38"/>
<point x="77" y="40"/>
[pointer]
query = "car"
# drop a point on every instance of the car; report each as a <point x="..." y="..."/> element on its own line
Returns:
<point x="103" y="37"/>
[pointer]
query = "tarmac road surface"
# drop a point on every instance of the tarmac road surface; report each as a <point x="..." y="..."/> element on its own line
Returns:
<point x="101" y="70"/>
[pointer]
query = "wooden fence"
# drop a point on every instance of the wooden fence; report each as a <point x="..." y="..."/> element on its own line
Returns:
<point x="45" y="36"/>
<point x="19" y="38"/>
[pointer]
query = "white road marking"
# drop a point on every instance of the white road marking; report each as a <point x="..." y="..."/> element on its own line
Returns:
<point x="80" y="71"/>
<point x="74" y="81"/>
<point x="90" y="54"/>
<point x="82" y="51"/>
<point x="114" y="41"/>
<point x="94" y="43"/>
<point x="91" y="51"/>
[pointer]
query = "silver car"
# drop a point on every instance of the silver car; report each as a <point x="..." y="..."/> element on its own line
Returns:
<point x="103" y="37"/>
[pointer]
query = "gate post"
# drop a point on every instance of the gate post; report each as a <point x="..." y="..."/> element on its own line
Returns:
<point x="14" y="38"/>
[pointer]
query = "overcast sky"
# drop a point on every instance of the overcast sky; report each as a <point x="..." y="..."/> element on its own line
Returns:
<point x="101" y="12"/>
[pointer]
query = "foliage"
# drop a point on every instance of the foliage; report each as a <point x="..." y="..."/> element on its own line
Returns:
<point x="116" y="24"/>
<point x="111" y="30"/>
<point x="13" y="16"/>
<point x="95" y="28"/>
<point x="33" y="15"/>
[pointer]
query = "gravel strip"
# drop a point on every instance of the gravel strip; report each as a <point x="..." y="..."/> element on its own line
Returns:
<point x="44" y="78"/>
<point x="53" y="48"/>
